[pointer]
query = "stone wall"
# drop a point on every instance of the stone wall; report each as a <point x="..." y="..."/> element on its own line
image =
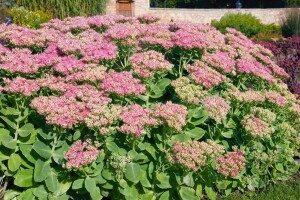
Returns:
<point x="142" y="7"/>
<point x="207" y="15"/>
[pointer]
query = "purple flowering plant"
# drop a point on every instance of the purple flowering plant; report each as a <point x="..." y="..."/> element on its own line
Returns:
<point x="132" y="108"/>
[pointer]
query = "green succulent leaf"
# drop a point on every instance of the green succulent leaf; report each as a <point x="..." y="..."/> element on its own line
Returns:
<point x="42" y="149"/>
<point x="210" y="193"/>
<point x="187" y="193"/>
<point x="195" y="133"/>
<point x="163" y="181"/>
<point x="40" y="170"/>
<point x="227" y="134"/>
<point x="11" y="194"/>
<point x="78" y="184"/>
<point x="25" y="130"/>
<point x="9" y="142"/>
<point x="52" y="182"/>
<point x="27" y="152"/>
<point x="9" y="122"/>
<point x="133" y="172"/>
<point x="91" y="187"/>
<point x="165" y="196"/>
<point x="14" y="162"/>
<point x="24" y="178"/>
<point x="41" y="192"/>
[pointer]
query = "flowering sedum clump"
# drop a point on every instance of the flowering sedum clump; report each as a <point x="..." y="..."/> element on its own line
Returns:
<point x="131" y="108"/>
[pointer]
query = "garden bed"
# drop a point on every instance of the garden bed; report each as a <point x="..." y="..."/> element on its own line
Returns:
<point x="131" y="108"/>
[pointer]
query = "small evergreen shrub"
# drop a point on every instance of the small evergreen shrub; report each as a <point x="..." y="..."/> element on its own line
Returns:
<point x="65" y="8"/>
<point x="246" y="23"/>
<point x="293" y="2"/>
<point x="30" y="19"/>
<point x="290" y="24"/>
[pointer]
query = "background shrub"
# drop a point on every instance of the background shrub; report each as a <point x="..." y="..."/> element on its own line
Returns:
<point x="267" y="37"/>
<point x="23" y="17"/>
<point x="293" y="2"/>
<point x="66" y="8"/>
<point x="246" y="23"/>
<point x="290" y="24"/>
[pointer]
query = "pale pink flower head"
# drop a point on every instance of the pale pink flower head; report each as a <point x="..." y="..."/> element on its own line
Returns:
<point x="257" y="127"/>
<point x="171" y="114"/>
<point x="195" y="154"/>
<point x="62" y="111"/>
<point x="122" y="83"/>
<point x="231" y="164"/>
<point x="220" y="60"/>
<point x="81" y="154"/>
<point x="21" y="85"/>
<point x="276" y="98"/>
<point x="136" y="118"/>
<point x="204" y="75"/>
<point x="145" y="64"/>
<point x="217" y="107"/>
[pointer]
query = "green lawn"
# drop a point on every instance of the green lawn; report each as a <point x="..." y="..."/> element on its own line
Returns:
<point x="283" y="191"/>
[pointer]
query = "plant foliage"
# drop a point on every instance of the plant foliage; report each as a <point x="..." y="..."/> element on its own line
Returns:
<point x="290" y="24"/>
<point x="23" y="17"/>
<point x="66" y="8"/>
<point x="287" y="56"/>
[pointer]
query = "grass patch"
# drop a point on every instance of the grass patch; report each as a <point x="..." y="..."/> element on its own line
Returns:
<point x="282" y="191"/>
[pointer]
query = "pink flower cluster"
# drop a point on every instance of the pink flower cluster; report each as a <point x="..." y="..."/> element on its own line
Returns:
<point x="205" y="75"/>
<point x="187" y="92"/>
<point x="135" y="118"/>
<point x="231" y="164"/>
<point x="296" y="109"/>
<point x="217" y="107"/>
<point x="145" y="64"/>
<point x="195" y="155"/>
<point x="123" y="31"/>
<point x="157" y="34"/>
<point x="172" y="114"/>
<point x="263" y="114"/>
<point x="245" y="66"/>
<point x="81" y="154"/>
<point x="249" y="96"/>
<point x="23" y="37"/>
<point x="22" y="60"/>
<point x="54" y="83"/>
<point x="89" y="44"/>
<point x="90" y="73"/>
<point x="102" y="115"/>
<point x="220" y="60"/>
<point x="275" y="98"/>
<point x="122" y="83"/>
<point x="196" y="36"/>
<point x="257" y="127"/>
<point x="68" y="64"/>
<point x="91" y="108"/>
<point x="62" y="111"/>
<point x="21" y="85"/>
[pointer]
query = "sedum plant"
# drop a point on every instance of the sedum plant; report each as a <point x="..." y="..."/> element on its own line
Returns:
<point x="131" y="108"/>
